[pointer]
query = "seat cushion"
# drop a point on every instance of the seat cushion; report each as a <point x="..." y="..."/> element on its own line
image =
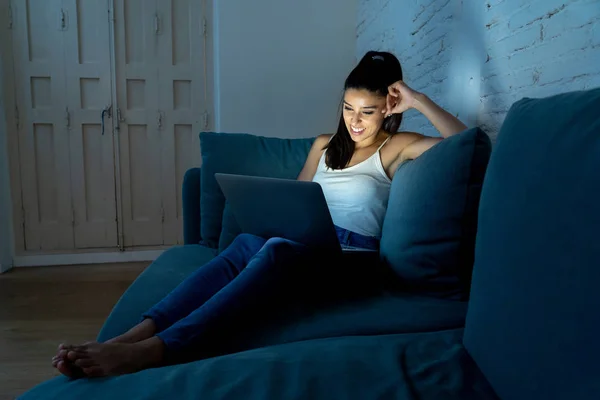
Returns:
<point x="245" y="155"/>
<point x="429" y="229"/>
<point x="408" y="366"/>
<point x="374" y="314"/>
<point x="533" y="323"/>
<point x="162" y="276"/>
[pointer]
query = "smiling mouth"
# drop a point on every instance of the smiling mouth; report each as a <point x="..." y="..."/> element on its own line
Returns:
<point x="357" y="130"/>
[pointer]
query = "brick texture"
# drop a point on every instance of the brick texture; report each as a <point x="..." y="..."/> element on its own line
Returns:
<point x="477" y="57"/>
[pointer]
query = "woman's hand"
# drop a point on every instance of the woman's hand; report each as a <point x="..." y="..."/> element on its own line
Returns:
<point x="400" y="98"/>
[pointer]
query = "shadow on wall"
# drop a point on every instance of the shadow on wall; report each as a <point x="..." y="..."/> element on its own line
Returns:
<point x="476" y="58"/>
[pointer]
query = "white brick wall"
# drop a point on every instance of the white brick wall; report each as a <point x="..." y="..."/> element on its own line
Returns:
<point x="477" y="57"/>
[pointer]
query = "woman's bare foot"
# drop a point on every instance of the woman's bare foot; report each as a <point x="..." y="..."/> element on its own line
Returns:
<point x="67" y="369"/>
<point x="64" y="366"/>
<point x="104" y="359"/>
<point x="142" y="331"/>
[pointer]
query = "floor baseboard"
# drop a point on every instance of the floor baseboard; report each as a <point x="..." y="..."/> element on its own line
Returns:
<point x="86" y="258"/>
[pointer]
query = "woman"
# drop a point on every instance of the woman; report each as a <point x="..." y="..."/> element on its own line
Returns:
<point x="354" y="167"/>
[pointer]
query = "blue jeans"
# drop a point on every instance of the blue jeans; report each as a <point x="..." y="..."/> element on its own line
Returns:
<point x="351" y="239"/>
<point x="248" y="277"/>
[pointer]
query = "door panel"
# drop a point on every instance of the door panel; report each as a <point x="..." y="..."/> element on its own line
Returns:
<point x="42" y="115"/>
<point x="181" y="100"/>
<point x="88" y="81"/>
<point x="139" y="140"/>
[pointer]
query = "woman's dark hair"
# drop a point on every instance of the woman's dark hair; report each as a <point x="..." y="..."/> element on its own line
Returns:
<point x="375" y="73"/>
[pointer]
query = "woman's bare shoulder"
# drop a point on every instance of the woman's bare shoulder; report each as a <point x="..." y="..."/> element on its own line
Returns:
<point x="324" y="138"/>
<point x="400" y="140"/>
<point x="321" y="142"/>
<point x="405" y="136"/>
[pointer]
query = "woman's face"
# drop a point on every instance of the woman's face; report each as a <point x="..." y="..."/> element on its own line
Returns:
<point x="363" y="113"/>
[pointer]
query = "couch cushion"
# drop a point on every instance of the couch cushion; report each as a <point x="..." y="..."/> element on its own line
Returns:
<point x="412" y="366"/>
<point x="429" y="229"/>
<point x="533" y="323"/>
<point x="162" y="276"/>
<point x="374" y="314"/>
<point x="246" y="155"/>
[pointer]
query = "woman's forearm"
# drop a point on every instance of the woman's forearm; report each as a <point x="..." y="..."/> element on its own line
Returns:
<point x="443" y="121"/>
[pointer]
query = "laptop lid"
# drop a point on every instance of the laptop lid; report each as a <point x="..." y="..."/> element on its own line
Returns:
<point x="271" y="207"/>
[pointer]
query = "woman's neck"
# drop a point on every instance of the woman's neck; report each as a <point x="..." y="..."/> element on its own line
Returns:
<point x="370" y="141"/>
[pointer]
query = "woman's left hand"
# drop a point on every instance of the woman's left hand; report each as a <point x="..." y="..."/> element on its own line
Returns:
<point x="400" y="98"/>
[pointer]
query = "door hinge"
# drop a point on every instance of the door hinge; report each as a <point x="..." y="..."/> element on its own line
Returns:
<point x="17" y="118"/>
<point x="23" y="219"/>
<point x="68" y="117"/>
<point x="10" y="17"/>
<point x="159" y="119"/>
<point x="205" y="27"/>
<point x="205" y="119"/>
<point x="156" y="24"/>
<point x="162" y="214"/>
<point x="72" y="216"/>
<point x="63" y="22"/>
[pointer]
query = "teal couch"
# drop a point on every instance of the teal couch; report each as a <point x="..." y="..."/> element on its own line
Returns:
<point x="528" y="331"/>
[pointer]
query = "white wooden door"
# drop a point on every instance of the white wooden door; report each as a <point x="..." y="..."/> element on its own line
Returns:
<point x="88" y="82"/>
<point x="160" y="65"/>
<point x="82" y="187"/>
<point x="181" y="70"/>
<point x="42" y="124"/>
<point x="139" y="141"/>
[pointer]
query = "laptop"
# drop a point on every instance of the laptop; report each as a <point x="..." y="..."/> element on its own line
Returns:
<point x="273" y="207"/>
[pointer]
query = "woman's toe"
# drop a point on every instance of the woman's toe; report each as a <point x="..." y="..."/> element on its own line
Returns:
<point x="64" y="369"/>
<point x="65" y="346"/>
<point x="84" y="363"/>
<point x="75" y="355"/>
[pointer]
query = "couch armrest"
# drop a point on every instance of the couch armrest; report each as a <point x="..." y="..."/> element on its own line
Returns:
<point x="191" y="206"/>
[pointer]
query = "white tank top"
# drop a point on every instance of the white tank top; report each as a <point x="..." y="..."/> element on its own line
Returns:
<point x="357" y="196"/>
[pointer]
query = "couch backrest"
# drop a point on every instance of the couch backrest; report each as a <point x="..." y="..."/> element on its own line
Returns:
<point x="533" y="324"/>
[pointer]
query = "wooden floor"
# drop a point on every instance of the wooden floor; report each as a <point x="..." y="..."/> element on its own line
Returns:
<point x="42" y="307"/>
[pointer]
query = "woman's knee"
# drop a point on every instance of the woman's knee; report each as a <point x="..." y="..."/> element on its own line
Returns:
<point x="276" y="241"/>
<point x="247" y="238"/>
<point x="283" y="249"/>
<point x="246" y="243"/>
<point x="281" y="243"/>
